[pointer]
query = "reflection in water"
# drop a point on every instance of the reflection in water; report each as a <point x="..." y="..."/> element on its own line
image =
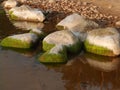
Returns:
<point x="28" y="25"/>
<point x="25" y="52"/>
<point x="102" y="63"/>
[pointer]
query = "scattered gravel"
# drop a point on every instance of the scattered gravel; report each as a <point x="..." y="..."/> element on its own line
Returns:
<point x="65" y="7"/>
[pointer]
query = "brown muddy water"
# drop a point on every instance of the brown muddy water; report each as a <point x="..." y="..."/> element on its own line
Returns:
<point x="21" y="71"/>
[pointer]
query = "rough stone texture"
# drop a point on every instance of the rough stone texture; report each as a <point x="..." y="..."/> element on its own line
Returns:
<point x="26" y="13"/>
<point x="65" y="38"/>
<point x="24" y="41"/>
<point x="10" y="4"/>
<point x="104" y="41"/>
<point x="77" y="24"/>
<point x="56" y="55"/>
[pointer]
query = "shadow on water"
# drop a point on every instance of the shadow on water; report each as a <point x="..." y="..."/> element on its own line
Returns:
<point x="20" y="71"/>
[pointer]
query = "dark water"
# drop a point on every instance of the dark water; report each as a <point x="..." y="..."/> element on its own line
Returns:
<point x="20" y="70"/>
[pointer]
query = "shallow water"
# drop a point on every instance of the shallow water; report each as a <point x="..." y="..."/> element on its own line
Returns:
<point x="20" y="71"/>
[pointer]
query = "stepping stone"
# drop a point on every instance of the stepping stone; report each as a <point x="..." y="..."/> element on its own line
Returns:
<point x="56" y="55"/>
<point x="56" y="46"/>
<point x="26" y="13"/>
<point x="103" y="41"/>
<point x="24" y="41"/>
<point x="65" y="38"/>
<point x="77" y="24"/>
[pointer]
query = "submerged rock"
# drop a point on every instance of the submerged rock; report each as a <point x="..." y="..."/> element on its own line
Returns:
<point x="103" y="41"/>
<point x="77" y="24"/>
<point x="25" y="41"/>
<point x="26" y="13"/>
<point x="56" y="55"/>
<point x="65" y="38"/>
<point x="10" y="4"/>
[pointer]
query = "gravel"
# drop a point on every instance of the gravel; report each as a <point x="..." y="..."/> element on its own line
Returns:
<point x="61" y="8"/>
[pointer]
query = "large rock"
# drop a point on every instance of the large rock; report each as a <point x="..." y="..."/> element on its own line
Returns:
<point x="77" y="24"/>
<point x="26" y="13"/>
<point x="56" y="46"/>
<point x="65" y="38"/>
<point x="25" y="41"/>
<point x="103" y="41"/>
<point x="10" y="4"/>
<point x="56" y="55"/>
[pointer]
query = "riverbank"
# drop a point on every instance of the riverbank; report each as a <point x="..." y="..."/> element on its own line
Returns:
<point x="60" y="8"/>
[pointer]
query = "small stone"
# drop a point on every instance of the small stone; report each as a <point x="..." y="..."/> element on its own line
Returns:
<point x="51" y="1"/>
<point x="118" y="23"/>
<point x="10" y="4"/>
<point x="110" y="6"/>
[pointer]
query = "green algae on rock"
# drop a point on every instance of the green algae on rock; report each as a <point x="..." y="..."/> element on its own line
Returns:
<point x="24" y="41"/>
<point x="57" y="44"/>
<point x="103" y="41"/>
<point x="65" y="38"/>
<point x="56" y="55"/>
<point x="26" y="13"/>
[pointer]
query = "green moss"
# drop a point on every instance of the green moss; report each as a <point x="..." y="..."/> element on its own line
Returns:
<point x="98" y="49"/>
<point x="75" y="48"/>
<point x="47" y="46"/>
<point x="59" y="27"/>
<point x="48" y="57"/>
<point x="10" y="42"/>
<point x="12" y="16"/>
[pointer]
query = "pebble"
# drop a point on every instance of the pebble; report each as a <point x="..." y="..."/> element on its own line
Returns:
<point x="67" y="7"/>
<point x="118" y="23"/>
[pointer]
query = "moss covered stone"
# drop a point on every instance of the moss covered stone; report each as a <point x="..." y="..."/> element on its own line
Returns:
<point x="47" y="46"/>
<point x="97" y="49"/>
<point x="24" y="41"/>
<point x="12" y="16"/>
<point x="103" y="41"/>
<point x="55" y="55"/>
<point x="26" y="13"/>
<point x="63" y="37"/>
